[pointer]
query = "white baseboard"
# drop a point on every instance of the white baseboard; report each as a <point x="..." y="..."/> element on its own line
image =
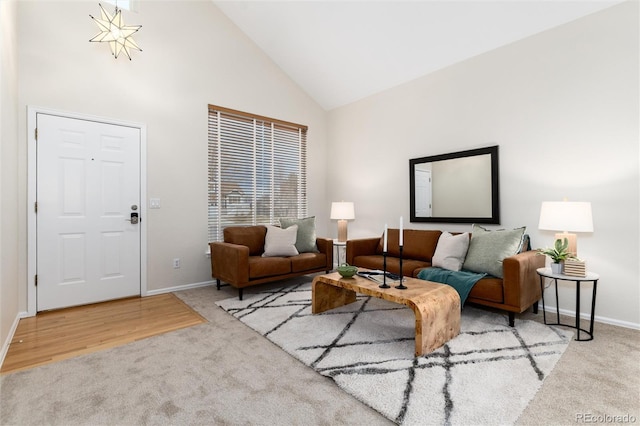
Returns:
<point x="179" y="288"/>
<point x="12" y="332"/>
<point x="597" y="318"/>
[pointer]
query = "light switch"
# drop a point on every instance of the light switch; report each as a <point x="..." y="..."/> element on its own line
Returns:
<point x="154" y="203"/>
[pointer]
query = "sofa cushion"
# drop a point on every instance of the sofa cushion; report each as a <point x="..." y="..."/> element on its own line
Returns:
<point x="489" y="288"/>
<point x="280" y="242"/>
<point x="418" y="244"/>
<point x="487" y="249"/>
<point x="308" y="261"/>
<point x="260" y="267"/>
<point x="250" y="236"/>
<point x="451" y="251"/>
<point x="306" y="237"/>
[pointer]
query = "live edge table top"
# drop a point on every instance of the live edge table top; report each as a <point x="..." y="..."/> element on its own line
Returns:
<point x="436" y="306"/>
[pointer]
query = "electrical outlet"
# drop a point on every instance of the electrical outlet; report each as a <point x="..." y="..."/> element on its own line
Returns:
<point x="176" y="263"/>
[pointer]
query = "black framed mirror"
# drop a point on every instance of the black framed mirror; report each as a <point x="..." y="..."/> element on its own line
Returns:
<point x="458" y="187"/>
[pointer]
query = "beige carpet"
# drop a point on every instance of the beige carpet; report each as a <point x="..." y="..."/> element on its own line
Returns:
<point x="222" y="372"/>
<point x="368" y="349"/>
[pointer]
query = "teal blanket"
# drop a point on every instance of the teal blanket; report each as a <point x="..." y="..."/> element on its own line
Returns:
<point x="461" y="281"/>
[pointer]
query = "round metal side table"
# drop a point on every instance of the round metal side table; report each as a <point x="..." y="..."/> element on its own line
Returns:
<point x="591" y="276"/>
<point x="340" y="245"/>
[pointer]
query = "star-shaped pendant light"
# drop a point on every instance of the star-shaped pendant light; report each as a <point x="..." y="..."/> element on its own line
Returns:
<point x="115" y="32"/>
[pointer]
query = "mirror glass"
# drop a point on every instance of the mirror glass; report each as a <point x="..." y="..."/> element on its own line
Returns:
<point x="458" y="187"/>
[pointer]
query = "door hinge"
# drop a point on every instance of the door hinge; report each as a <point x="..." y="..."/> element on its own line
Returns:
<point x="36" y="280"/>
<point x="36" y="207"/>
<point x="36" y="131"/>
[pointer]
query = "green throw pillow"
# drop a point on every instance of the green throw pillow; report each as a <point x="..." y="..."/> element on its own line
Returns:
<point x="487" y="249"/>
<point x="306" y="239"/>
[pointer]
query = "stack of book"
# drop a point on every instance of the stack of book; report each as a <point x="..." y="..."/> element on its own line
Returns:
<point x="575" y="268"/>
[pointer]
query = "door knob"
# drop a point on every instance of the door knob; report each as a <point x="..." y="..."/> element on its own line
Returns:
<point x="134" y="218"/>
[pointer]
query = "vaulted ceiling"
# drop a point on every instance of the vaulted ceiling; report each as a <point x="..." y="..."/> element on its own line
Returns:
<point x="342" y="51"/>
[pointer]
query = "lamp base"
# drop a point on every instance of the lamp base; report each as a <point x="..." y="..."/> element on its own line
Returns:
<point x="572" y="239"/>
<point x="342" y="231"/>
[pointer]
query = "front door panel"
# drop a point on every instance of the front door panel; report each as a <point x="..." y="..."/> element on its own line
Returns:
<point x="88" y="181"/>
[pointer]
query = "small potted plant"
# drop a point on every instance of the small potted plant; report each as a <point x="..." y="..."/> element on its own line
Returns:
<point x="558" y="254"/>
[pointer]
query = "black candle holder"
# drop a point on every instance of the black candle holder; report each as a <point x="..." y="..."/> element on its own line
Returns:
<point x="401" y="286"/>
<point x="384" y="271"/>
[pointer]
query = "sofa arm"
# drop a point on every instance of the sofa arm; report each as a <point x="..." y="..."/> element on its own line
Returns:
<point x="521" y="282"/>
<point x="325" y="246"/>
<point x="361" y="247"/>
<point x="230" y="262"/>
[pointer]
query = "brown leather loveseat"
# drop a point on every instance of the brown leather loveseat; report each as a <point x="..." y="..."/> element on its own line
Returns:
<point x="239" y="261"/>
<point x="518" y="290"/>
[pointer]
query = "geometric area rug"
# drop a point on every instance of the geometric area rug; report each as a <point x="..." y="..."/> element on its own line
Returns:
<point x="487" y="375"/>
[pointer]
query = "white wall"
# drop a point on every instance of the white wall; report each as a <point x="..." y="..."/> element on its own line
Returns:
<point x="563" y="107"/>
<point x="192" y="56"/>
<point x="9" y="220"/>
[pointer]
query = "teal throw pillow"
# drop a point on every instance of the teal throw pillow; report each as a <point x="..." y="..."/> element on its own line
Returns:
<point x="306" y="238"/>
<point x="487" y="249"/>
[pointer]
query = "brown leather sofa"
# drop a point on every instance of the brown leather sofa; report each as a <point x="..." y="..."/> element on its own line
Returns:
<point x="515" y="293"/>
<point x="238" y="260"/>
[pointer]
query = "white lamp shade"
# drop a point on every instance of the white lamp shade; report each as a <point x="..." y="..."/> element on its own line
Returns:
<point x="566" y="216"/>
<point x="342" y="210"/>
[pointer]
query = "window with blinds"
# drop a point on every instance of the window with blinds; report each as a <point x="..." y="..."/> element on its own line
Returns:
<point x="257" y="170"/>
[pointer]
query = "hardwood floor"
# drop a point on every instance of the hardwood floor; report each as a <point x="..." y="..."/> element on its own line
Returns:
<point x="56" y="335"/>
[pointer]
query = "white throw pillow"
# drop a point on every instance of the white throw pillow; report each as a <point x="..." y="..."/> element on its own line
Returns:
<point x="451" y="251"/>
<point x="280" y="242"/>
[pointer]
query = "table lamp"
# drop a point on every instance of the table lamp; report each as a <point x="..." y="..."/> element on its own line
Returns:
<point x="342" y="211"/>
<point x="566" y="216"/>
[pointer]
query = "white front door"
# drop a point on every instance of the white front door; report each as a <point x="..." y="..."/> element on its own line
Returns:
<point x="88" y="186"/>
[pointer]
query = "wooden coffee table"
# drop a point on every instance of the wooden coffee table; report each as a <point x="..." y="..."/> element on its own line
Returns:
<point x="437" y="306"/>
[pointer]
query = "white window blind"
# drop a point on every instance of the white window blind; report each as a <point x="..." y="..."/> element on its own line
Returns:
<point x="257" y="170"/>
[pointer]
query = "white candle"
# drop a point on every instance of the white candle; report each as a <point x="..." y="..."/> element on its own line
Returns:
<point x="401" y="231"/>
<point x="384" y="248"/>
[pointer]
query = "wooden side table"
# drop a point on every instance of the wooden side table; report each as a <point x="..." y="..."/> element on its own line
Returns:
<point x="591" y="276"/>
